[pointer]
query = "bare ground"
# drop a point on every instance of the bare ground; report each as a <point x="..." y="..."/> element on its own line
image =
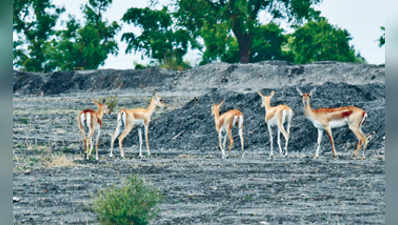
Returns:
<point x="200" y="188"/>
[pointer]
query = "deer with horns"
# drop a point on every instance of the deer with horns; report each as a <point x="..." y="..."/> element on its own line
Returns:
<point x="138" y="116"/>
<point x="277" y="116"/>
<point x="224" y="124"/>
<point x="92" y="120"/>
<point x="324" y="119"/>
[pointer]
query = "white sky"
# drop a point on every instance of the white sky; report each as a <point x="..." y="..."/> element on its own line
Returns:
<point x="362" y="19"/>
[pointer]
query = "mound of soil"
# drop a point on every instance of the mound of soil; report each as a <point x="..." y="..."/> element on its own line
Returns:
<point x="109" y="79"/>
<point x="192" y="126"/>
<point x="236" y="77"/>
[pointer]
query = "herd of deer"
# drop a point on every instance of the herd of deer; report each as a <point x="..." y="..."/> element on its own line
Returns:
<point x="324" y="119"/>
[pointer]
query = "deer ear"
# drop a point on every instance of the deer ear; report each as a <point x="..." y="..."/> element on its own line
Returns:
<point x="259" y="93"/>
<point x="312" y="91"/>
<point x="222" y="102"/>
<point x="95" y="101"/>
<point x="299" y="91"/>
<point x="272" y="93"/>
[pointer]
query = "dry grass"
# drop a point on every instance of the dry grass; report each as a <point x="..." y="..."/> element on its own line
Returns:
<point x="59" y="160"/>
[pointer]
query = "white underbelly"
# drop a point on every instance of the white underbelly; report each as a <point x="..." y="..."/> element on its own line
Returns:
<point x="139" y="122"/>
<point x="272" y="122"/>
<point x="317" y="125"/>
<point x="337" y="123"/>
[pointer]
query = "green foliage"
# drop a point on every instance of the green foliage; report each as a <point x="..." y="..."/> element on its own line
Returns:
<point x="85" y="46"/>
<point x="319" y="41"/>
<point x="266" y="45"/>
<point x="215" y="21"/>
<point x="33" y="22"/>
<point x="134" y="203"/>
<point x="382" y="38"/>
<point x="139" y="66"/>
<point x="111" y="102"/>
<point x="159" y="38"/>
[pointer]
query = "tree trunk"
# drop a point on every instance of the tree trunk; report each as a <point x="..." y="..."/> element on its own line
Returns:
<point x="245" y="42"/>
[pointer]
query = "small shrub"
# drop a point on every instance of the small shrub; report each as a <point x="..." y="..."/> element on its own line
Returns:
<point x="133" y="203"/>
<point x="59" y="160"/>
<point x="139" y="66"/>
<point x="111" y="102"/>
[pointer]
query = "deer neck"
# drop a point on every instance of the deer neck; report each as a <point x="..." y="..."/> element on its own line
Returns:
<point x="308" y="111"/>
<point x="267" y="106"/>
<point x="151" y="108"/>
<point x="217" y="118"/>
<point x="100" y="112"/>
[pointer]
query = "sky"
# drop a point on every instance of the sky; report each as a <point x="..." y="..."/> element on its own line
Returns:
<point x="362" y="19"/>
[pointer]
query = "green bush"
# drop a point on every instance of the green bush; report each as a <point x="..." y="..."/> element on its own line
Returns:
<point x="133" y="203"/>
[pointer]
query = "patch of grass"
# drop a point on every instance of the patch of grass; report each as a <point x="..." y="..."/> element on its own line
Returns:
<point x="25" y="121"/>
<point x="133" y="203"/>
<point x="58" y="160"/>
<point x="112" y="102"/>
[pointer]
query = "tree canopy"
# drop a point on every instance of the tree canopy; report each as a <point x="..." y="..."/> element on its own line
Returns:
<point x="319" y="41"/>
<point x="33" y="22"/>
<point x="382" y="38"/>
<point x="85" y="46"/>
<point x="223" y="30"/>
<point x="239" y="17"/>
<point x="159" y="38"/>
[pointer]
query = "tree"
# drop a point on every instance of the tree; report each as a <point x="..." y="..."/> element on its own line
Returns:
<point x="382" y="38"/>
<point x="240" y="17"/>
<point x="267" y="44"/>
<point x="33" y="23"/>
<point x="159" y="39"/>
<point x="85" y="46"/>
<point x="319" y="40"/>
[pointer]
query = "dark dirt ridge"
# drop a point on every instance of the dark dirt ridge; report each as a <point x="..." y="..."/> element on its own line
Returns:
<point x="192" y="126"/>
<point x="239" y="77"/>
<point x="199" y="186"/>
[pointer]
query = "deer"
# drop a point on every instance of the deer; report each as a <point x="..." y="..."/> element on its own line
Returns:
<point x="277" y="116"/>
<point x="92" y="120"/>
<point x="324" y="119"/>
<point x="137" y="116"/>
<point x="224" y="124"/>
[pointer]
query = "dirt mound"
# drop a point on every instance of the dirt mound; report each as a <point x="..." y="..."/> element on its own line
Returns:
<point x="67" y="82"/>
<point x="192" y="126"/>
<point x="236" y="77"/>
<point x="277" y="74"/>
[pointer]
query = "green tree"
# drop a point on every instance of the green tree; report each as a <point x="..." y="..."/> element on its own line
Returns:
<point x="159" y="38"/>
<point x="382" y="38"/>
<point x="85" y="46"/>
<point x="267" y="44"/>
<point x="319" y="40"/>
<point x="33" y="24"/>
<point x="239" y="17"/>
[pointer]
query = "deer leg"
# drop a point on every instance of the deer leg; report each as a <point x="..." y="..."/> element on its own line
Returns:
<point x="125" y="132"/>
<point x="90" y="139"/>
<point x="271" y="142"/>
<point x="219" y="142"/>
<point x="81" y="128"/>
<point x="223" y="145"/>
<point x="140" y="138"/>
<point x="329" y="132"/>
<point x="146" y="139"/>
<point x="320" y="133"/>
<point x="231" y="141"/>
<point x="96" y="141"/>
<point x="242" y="142"/>
<point x="279" y="141"/>
<point x="286" y="133"/>
<point x="362" y="141"/>
<point x="116" y="133"/>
